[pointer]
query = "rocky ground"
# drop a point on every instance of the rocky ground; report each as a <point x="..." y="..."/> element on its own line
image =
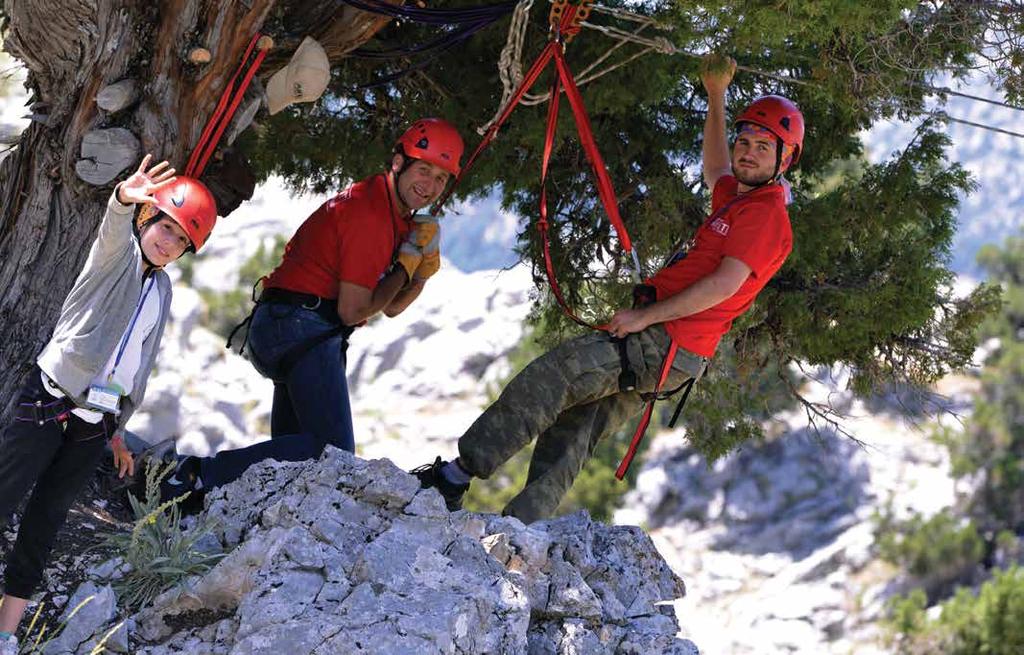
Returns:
<point x="345" y="555"/>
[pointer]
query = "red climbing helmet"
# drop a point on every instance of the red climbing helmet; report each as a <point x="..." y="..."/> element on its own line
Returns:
<point x="435" y="141"/>
<point x="781" y="117"/>
<point x="189" y="204"/>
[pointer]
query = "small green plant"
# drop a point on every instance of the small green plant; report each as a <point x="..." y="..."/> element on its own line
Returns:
<point x="989" y="622"/>
<point x="939" y="551"/>
<point x="906" y="621"/>
<point x="158" y="552"/>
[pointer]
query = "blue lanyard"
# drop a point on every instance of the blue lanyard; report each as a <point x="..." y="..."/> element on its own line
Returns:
<point x="131" y="326"/>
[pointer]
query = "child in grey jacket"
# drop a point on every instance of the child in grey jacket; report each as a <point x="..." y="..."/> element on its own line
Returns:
<point x="92" y="374"/>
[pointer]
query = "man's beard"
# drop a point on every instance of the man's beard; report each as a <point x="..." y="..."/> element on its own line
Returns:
<point x="751" y="178"/>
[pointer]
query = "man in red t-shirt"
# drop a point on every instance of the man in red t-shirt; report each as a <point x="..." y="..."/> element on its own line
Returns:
<point x="574" y="395"/>
<point x="365" y="251"/>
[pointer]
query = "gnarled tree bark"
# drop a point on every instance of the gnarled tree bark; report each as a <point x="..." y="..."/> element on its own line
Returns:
<point x="75" y="48"/>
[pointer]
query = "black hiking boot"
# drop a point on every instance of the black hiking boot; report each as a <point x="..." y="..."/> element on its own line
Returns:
<point x="180" y="476"/>
<point x="156" y="456"/>
<point x="184" y="479"/>
<point x="430" y="475"/>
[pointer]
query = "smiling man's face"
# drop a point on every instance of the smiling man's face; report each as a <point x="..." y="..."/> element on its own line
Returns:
<point x="420" y="184"/>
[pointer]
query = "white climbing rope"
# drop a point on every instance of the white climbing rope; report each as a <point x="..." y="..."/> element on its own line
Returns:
<point x="510" y="65"/>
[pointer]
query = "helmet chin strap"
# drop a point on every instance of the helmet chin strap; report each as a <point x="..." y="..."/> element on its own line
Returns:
<point x="137" y="229"/>
<point x="407" y="161"/>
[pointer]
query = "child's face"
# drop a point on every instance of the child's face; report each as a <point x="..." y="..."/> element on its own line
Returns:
<point x="163" y="241"/>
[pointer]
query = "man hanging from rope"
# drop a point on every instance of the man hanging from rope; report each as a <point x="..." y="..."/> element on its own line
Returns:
<point x="583" y="390"/>
<point x="365" y="251"/>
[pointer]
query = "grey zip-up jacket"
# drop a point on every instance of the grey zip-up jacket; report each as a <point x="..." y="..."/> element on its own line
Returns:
<point x="97" y="312"/>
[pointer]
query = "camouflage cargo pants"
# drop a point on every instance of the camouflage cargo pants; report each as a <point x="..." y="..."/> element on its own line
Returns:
<point x="568" y="399"/>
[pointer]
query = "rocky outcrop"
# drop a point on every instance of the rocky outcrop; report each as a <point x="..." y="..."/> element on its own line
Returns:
<point x="345" y="555"/>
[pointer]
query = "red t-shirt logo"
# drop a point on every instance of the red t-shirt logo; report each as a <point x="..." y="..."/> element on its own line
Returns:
<point x="719" y="226"/>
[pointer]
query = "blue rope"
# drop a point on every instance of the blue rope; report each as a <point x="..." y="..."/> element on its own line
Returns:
<point x="420" y="65"/>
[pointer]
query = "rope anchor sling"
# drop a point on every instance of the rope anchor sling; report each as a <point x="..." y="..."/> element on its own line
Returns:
<point x="566" y="21"/>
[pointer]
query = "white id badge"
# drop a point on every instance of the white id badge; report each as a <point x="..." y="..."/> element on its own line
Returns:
<point x="104" y="399"/>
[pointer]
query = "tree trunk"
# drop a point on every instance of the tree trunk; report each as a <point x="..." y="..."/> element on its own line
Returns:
<point x="75" y="48"/>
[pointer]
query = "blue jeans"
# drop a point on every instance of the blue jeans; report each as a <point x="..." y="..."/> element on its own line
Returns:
<point x="311" y="405"/>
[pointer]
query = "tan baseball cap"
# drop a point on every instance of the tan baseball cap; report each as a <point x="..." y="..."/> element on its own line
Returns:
<point x="304" y="79"/>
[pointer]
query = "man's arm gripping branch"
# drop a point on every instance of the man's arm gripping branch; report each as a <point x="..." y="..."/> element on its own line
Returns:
<point x="716" y="76"/>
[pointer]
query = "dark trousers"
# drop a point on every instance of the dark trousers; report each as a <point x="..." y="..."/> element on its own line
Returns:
<point x="311" y="403"/>
<point x="56" y="457"/>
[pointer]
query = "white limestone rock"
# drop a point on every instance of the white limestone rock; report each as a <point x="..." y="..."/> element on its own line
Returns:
<point x="343" y="554"/>
<point x="96" y="610"/>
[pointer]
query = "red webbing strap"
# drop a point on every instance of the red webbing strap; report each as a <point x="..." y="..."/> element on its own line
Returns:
<point x="645" y="420"/>
<point x="542" y="223"/>
<point x="604" y="184"/>
<point x="566" y="26"/>
<point x="528" y="81"/>
<point x="226" y="108"/>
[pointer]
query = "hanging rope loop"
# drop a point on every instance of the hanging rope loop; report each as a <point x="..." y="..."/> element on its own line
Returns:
<point x="256" y="51"/>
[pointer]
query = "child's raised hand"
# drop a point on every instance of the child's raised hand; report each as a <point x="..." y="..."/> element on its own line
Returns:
<point x="143" y="183"/>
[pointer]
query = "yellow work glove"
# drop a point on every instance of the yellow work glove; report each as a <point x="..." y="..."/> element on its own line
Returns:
<point x="411" y="253"/>
<point x="424" y="230"/>
<point x="409" y="258"/>
<point x="431" y="262"/>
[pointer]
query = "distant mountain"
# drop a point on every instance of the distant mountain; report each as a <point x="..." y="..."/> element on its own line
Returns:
<point x="480" y="235"/>
<point x="995" y="210"/>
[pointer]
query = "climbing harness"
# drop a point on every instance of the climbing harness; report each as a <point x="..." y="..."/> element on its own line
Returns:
<point x="228" y="105"/>
<point x="644" y="294"/>
<point x="324" y="307"/>
<point x="649" y="400"/>
<point x="645" y="420"/>
<point x="58" y="410"/>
